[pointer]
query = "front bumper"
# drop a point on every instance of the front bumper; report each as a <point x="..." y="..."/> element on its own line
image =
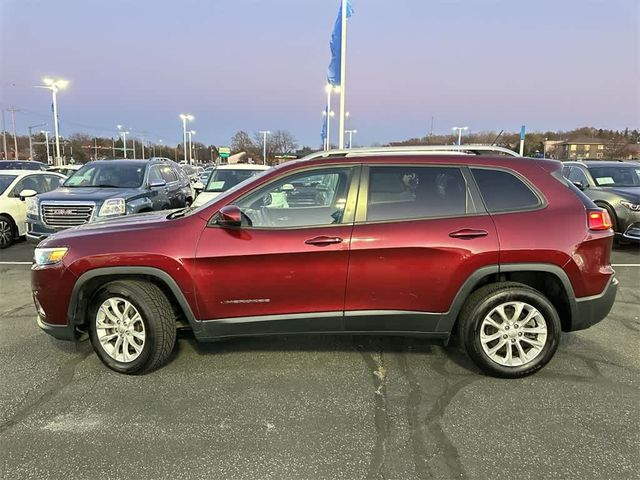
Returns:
<point x="591" y="310"/>
<point x="37" y="232"/>
<point x="632" y="233"/>
<point x="61" y="332"/>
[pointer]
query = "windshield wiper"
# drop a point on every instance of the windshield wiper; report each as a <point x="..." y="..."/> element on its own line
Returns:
<point x="105" y="185"/>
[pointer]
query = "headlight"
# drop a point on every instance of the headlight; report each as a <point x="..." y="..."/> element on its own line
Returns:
<point x="49" y="256"/>
<point x="631" y="206"/>
<point x="32" y="206"/>
<point x="112" y="206"/>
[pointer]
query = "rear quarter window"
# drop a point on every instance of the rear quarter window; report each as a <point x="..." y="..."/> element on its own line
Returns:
<point x="503" y="191"/>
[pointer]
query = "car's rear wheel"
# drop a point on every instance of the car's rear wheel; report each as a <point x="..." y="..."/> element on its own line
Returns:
<point x="509" y="330"/>
<point x="132" y="326"/>
<point x="7" y="232"/>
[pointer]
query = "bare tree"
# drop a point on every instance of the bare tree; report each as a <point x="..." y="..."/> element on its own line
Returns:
<point x="241" y="142"/>
<point x="283" y="143"/>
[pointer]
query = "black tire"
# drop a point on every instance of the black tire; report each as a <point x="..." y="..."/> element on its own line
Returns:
<point x="480" y="304"/>
<point x="617" y="237"/>
<point x="8" y="231"/>
<point x="158" y="319"/>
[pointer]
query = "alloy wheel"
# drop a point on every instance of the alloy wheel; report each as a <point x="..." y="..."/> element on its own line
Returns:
<point x="513" y="334"/>
<point x="6" y="232"/>
<point x="120" y="329"/>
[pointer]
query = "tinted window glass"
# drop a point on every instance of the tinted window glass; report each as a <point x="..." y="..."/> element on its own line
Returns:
<point x="577" y="175"/>
<point x="404" y="192"/>
<point x="503" y="191"/>
<point x="168" y="174"/>
<point x="299" y="200"/>
<point x="5" y="181"/>
<point x="107" y="175"/>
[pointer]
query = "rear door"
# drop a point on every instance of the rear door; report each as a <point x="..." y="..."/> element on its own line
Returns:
<point x="420" y="232"/>
<point x="172" y="188"/>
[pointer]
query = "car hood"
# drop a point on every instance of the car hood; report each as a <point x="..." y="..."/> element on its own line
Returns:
<point x="138" y="221"/>
<point x="629" y="193"/>
<point x="92" y="194"/>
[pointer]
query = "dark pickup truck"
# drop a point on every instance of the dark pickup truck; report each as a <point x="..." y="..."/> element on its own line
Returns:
<point x="107" y="189"/>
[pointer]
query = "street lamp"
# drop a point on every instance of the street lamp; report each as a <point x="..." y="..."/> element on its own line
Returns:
<point x="351" y="132"/>
<point x="190" y="132"/>
<point x="55" y="85"/>
<point x="460" y="129"/>
<point x="46" y="140"/>
<point x="264" y="145"/>
<point x="186" y="117"/>
<point x="328" y="89"/>
<point x="124" y="134"/>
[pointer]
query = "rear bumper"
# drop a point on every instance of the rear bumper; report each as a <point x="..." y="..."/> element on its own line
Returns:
<point x="591" y="310"/>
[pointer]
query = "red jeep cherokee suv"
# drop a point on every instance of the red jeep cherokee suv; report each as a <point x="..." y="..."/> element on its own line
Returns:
<point x="502" y="251"/>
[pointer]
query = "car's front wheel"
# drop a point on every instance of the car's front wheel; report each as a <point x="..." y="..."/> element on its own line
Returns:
<point x="132" y="326"/>
<point x="7" y="232"/>
<point x="509" y="330"/>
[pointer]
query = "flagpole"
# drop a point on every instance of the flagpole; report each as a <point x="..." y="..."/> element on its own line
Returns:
<point x="343" y="73"/>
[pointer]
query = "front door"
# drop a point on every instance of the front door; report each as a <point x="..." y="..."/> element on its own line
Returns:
<point x="285" y="268"/>
<point x="420" y="232"/>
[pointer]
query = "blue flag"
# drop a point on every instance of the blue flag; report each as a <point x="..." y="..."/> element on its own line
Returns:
<point x="334" y="74"/>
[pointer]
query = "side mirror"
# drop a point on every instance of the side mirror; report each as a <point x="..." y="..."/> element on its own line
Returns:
<point x="198" y="187"/>
<point x="27" y="194"/>
<point x="580" y="185"/>
<point x="230" y="216"/>
<point x="157" y="184"/>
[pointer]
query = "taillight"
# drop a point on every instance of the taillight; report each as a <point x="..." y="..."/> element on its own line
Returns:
<point x="599" y="220"/>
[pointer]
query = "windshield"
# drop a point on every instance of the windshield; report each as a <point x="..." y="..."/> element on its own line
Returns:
<point x="222" y="180"/>
<point x="108" y="175"/>
<point x="622" y="176"/>
<point x="5" y="181"/>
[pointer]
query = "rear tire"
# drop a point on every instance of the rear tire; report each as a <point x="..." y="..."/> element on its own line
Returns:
<point x="132" y="326"/>
<point x="8" y="231"/>
<point x="509" y="330"/>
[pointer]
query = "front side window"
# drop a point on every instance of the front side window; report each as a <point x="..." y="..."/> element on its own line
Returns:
<point x="52" y="182"/>
<point x="405" y="192"/>
<point x="304" y="199"/>
<point x="577" y="175"/>
<point x="154" y="176"/>
<point x="31" y="182"/>
<point x="223" y="179"/>
<point x="502" y="191"/>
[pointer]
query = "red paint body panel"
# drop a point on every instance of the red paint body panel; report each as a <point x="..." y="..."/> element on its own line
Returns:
<point x="248" y="272"/>
<point x="415" y="265"/>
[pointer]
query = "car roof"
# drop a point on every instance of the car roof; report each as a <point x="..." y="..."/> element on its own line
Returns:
<point x="121" y="161"/>
<point x="28" y="172"/>
<point x="242" y="166"/>
<point x="601" y="163"/>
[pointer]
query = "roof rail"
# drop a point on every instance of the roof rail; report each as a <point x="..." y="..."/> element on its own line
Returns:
<point x="415" y="150"/>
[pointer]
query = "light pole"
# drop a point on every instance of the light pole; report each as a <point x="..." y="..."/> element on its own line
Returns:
<point x="55" y="85"/>
<point x="460" y="129"/>
<point x="46" y="140"/>
<point x="351" y="132"/>
<point x="31" y="140"/>
<point x="160" y="147"/>
<point x="13" y="111"/>
<point x="191" y="132"/>
<point x="544" y="148"/>
<point x="185" y="117"/>
<point x="264" y="145"/>
<point x="124" y="134"/>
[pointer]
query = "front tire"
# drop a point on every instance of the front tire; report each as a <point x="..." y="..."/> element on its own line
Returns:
<point x="509" y="330"/>
<point x="131" y="326"/>
<point x="8" y="231"/>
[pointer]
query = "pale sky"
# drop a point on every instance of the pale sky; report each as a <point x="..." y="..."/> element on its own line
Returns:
<point x="262" y="64"/>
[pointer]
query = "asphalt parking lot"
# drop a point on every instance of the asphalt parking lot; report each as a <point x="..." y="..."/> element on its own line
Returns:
<point x="317" y="407"/>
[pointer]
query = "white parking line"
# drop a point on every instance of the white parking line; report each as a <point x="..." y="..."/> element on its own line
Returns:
<point x="625" y="264"/>
<point x="16" y="263"/>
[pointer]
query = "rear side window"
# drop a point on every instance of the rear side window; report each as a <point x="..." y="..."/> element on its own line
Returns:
<point x="405" y="192"/>
<point x="168" y="174"/>
<point x="503" y="191"/>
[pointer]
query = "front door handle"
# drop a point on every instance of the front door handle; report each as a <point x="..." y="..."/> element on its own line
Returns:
<point x="323" y="240"/>
<point x="468" y="233"/>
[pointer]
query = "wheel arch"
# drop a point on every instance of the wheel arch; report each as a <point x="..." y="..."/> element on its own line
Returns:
<point x="549" y="279"/>
<point x="90" y="283"/>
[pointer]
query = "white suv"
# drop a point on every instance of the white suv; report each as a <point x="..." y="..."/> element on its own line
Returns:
<point x="16" y="188"/>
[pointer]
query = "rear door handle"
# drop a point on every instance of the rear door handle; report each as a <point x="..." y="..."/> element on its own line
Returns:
<point x="468" y="233"/>
<point x="323" y="240"/>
